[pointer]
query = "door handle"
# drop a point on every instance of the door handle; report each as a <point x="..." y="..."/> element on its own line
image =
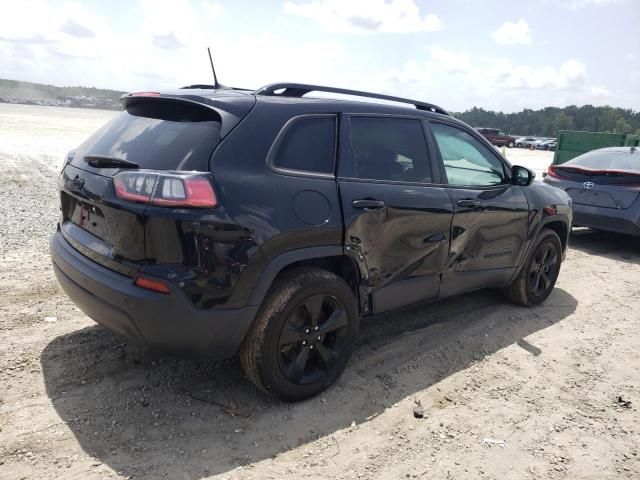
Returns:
<point x="468" y="202"/>
<point x="436" y="237"/>
<point x="367" y="204"/>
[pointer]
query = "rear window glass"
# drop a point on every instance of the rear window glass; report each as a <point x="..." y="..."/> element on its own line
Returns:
<point x="309" y="144"/>
<point x="162" y="137"/>
<point x="608" y="160"/>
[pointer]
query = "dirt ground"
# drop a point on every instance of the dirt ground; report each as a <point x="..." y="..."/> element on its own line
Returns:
<point x="508" y="392"/>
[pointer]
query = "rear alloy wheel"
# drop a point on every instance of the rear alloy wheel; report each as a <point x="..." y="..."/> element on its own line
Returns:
<point x="543" y="269"/>
<point x="303" y="335"/>
<point x="538" y="276"/>
<point x="312" y="339"/>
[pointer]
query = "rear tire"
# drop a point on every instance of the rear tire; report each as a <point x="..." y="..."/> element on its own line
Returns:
<point x="303" y="335"/>
<point x="538" y="276"/>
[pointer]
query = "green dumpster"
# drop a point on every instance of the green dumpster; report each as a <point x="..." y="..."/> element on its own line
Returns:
<point x="572" y="143"/>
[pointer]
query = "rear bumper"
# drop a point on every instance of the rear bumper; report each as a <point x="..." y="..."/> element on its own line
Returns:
<point x="609" y="219"/>
<point x="166" y="322"/>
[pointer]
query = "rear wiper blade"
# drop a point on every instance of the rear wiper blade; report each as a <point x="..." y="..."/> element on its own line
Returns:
<point x="102" y="161"/>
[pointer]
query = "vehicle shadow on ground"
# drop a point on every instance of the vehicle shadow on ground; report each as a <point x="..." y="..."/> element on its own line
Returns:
<point x="616" y="246"/>
<point x="152" y="416"/>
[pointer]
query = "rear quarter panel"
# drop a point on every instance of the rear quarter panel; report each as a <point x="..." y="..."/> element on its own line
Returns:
<point x="272" y="207"/>
<point x="546" y="204"/>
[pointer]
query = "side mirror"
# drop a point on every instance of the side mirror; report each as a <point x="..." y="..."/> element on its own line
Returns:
<point x="522" y="176"/>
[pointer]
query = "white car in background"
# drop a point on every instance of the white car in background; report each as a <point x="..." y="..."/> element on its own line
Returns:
<point x="527" y="142"/>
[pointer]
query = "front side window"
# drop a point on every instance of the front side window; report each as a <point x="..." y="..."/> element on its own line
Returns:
<point x="308" y="144"/>
<point x="466" y="160"/>
<point x="387" y="148"/>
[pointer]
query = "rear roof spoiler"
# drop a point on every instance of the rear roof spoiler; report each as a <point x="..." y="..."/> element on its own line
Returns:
<point x="300" y="89"/>
<point x="231" y="109"/>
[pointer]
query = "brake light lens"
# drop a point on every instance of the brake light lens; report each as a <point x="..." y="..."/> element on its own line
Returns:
<point x="191" y="190"/>
<point x="145" y="94"/>
<point x="553" y="172"/>
<point x="153" y="285"/>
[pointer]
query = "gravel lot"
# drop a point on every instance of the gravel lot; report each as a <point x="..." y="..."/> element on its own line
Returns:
<point x="508" y="392"/>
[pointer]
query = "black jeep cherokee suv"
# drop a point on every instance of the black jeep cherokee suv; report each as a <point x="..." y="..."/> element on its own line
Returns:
<point x="217" y="221"/>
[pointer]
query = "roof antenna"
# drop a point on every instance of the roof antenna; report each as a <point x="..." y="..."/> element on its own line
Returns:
<point x="216" y="85"/>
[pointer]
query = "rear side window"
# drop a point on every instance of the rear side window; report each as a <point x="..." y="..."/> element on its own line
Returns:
<point x="308" y="144"/>
<point x="160" y="136"/>
<point x="466" y="160"/>
<point x="386" y="148"/>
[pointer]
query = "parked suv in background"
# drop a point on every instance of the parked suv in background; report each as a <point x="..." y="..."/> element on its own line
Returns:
<point x="497" y="137"/>
<point x="214" y="221"/>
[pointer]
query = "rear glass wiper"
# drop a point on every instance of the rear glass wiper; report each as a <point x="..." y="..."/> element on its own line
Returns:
<point x="102" y="161"/>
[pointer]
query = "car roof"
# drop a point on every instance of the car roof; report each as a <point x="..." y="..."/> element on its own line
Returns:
<point x="216" y="97"/>
<point x="341" y="105"/>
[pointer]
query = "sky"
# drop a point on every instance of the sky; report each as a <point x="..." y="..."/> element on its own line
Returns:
<point x="496" y="54"/>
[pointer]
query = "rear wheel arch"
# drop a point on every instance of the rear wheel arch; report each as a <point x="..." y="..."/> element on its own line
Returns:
<point x="340" y="265"/>
<point x="562" y="230"/>
<point x="329" y="258"/>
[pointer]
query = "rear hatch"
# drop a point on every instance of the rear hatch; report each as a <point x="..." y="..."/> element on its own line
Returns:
<point x="155" y="134"/>
<point x="599" y="188"/>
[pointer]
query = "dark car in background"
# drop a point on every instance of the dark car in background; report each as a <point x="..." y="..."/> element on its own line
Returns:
<point x="216" y="221"/>
<point x="548" y="144"/>
<point x="497" y="137"/>
<point x="605" y="187"/>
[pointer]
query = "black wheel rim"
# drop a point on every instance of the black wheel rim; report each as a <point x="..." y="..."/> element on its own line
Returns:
<point x="543" y="270"/>
<point x="313" y="339"/>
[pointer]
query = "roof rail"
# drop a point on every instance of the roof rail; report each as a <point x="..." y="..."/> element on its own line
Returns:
<point x="300" y="89"/>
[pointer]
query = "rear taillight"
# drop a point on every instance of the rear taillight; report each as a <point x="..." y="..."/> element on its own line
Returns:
<point x="553" y="172"/>
<point x="166" y="189"/>
<point x="144" y="94"/>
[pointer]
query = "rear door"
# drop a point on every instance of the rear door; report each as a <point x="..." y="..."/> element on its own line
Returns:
<point x="490" y="221"/>
<point x="153" y="134"/>
<point x="397" y="217"/>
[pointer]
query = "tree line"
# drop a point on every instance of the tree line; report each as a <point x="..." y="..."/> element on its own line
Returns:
<point x="547" y="122"/>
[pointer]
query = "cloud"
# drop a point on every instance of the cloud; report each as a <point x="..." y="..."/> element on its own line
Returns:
<point x="513" y="33"/>
<point x="168" y="41"/>
<point x="73" y="28"/>
<point x="601" y="92"/>
<point x="577" y="4"/>
<point x="450" y="61"/>
<point x="366" y="16"/>
<point x="457" y="80"/>
<point x="213" y="9"/>
<point x="569" y="74"/>
<point x="166" y="48"/>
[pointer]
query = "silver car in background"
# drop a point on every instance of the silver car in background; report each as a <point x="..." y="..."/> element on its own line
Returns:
<point x="605" y="186"/>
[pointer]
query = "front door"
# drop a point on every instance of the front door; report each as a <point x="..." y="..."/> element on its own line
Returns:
<point x="490" y="223"/>
<point x="396" y="218"/>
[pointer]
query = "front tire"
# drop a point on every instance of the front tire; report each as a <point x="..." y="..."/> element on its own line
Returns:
<point x="510" y="145"/>
<point x="538" y="276"/>
<point x="303" y="335"/>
